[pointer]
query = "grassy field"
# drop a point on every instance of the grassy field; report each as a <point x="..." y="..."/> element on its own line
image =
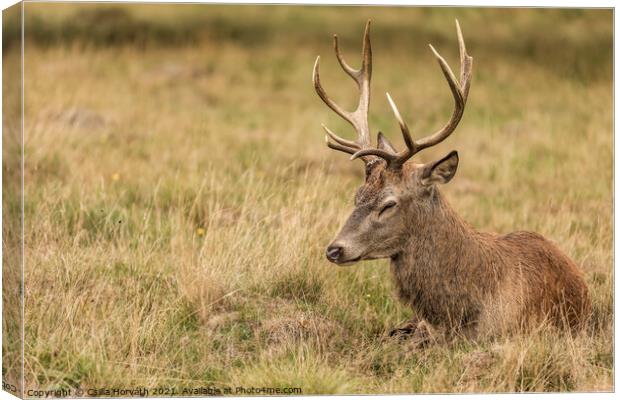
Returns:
<point x="179" y="194"/>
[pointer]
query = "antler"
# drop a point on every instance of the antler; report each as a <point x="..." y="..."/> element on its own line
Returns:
<point x="460" y="91"/>
<point x="358" y="118"/>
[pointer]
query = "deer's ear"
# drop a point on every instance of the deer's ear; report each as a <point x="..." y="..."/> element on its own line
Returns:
<point x="384" y="144"/>
<point x="441" y="171"/>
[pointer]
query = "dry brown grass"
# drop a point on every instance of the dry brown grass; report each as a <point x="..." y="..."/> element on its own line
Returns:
<point x="178" y="200"/>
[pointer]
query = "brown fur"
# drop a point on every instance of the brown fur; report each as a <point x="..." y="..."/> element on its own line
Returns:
<point x="453" y="276"/>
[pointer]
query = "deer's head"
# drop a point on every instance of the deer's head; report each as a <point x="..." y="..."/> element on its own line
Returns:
<point x="397" y="197"/>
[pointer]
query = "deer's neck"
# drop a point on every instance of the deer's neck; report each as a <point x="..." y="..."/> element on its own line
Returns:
<point x="440" y="234"/>
<point x="441" y="264"/>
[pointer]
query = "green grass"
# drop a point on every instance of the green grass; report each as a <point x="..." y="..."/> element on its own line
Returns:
<point x="179" y="195"/>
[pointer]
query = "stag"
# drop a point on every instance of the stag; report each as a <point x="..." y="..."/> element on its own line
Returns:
<point x="455" y="278"/>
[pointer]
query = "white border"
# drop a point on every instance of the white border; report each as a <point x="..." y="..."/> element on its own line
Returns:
<point x="452" y="3"/>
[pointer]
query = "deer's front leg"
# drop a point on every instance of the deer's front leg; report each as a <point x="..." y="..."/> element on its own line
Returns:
<point x="416" y="331"/>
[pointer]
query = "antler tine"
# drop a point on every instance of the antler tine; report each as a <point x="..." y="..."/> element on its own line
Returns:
<point x="339" y="147"/>
<point x="321" y="92"/>
<point x="340" y="140"/>
<point x="352" y="72"/>
<point x="395" y="159"/>
<point x="386" y="155"/>
<point x="358" y="118"/>
<point x="411" y="148"/>
<point x="466" y="63"/>
<point x="460" y="91"/>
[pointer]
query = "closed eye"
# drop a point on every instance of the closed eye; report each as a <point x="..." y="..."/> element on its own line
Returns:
<point x="387" y="206"/>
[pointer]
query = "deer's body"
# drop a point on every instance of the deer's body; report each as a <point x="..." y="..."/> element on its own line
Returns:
<point x="451" y="275"/>
<point x="481" y="283"/>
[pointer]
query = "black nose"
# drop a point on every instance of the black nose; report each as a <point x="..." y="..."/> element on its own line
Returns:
<point x="333" y="253"/>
